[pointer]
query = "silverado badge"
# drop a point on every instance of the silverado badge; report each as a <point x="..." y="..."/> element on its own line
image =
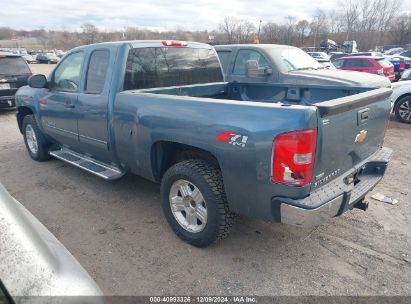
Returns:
<point x="360" y="137"/>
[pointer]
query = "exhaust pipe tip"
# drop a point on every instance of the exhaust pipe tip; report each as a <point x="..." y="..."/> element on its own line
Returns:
<point x="363" y="205"/>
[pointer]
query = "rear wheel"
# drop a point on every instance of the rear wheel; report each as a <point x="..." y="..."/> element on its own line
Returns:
<point x="403" y="109"/>
<point x="194" y="202"/>
<point x="35" y="142"/>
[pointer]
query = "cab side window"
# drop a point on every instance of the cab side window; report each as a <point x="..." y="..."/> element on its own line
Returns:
<point x="67" y="75"/>
<point x="241" y="60"/>
<point x="97" y="70"/>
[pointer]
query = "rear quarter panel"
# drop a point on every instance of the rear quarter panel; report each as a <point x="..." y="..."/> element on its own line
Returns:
<point x="140" y="120"/>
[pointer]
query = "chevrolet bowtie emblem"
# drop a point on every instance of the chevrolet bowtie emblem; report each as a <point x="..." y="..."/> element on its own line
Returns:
<point x="360" y="137"/>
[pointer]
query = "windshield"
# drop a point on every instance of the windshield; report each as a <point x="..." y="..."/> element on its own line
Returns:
<point x="13" y="66"/>
<point x="293" y="59"/>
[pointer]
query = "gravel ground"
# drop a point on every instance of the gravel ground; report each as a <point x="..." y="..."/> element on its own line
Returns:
<point x="118" y="233"/>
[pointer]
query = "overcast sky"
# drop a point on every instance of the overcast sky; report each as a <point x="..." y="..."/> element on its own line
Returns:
<point x="153" y="14"/>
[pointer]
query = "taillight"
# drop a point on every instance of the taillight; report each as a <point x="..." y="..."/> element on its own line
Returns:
<point x="402" y="65"/>
<point x="174" y="43"/>
<point x="293" y="157"/>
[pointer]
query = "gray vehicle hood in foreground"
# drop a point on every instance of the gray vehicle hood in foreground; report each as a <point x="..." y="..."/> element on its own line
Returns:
<point x="33" y="262"/>
<point x="336" y="77"/>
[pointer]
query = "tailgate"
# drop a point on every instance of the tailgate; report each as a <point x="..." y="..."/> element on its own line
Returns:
<point x="350" y="129"/>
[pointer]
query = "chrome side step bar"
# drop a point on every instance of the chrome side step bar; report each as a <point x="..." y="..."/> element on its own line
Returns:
<point x="88" y="164"/>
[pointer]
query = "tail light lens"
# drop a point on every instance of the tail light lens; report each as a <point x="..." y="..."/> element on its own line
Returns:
<point x="293" y="157"/>
<point x="174" y="43"/>
<point x="402" y="65"/>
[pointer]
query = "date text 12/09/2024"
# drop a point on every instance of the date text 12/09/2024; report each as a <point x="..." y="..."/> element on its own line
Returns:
<point x="203" y="299"/>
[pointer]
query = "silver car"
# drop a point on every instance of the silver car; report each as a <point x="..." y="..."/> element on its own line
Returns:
<point x="34" y="263"/>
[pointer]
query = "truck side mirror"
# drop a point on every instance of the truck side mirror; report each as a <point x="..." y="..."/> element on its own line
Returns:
<point x="37" y="81"/>
<point x="253" y="70"/>
<point x="268" y="71"/>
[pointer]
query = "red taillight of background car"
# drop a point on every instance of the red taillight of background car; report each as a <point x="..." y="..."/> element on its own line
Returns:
<point x="293" y="157"/>
<point x="402" y="65"/>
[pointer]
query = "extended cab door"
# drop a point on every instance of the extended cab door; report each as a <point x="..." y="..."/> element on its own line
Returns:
<point x="58" y="106"/>
<point x="93" y="103"/>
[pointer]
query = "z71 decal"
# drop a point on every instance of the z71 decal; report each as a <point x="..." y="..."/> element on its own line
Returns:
<point x="232" y="138"/>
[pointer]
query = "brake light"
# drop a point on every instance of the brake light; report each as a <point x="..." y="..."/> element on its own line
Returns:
<point x="293" y="157"/>
<point x="174" y="43"/>
<point x="402" y="65"/>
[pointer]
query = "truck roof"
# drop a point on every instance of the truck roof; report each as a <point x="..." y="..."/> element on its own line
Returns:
<point x="145" y="43"/>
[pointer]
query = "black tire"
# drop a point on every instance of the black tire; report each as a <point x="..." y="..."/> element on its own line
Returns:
<point x="401" y="105"/>
<point x="42" y="144"/>
<point x="207" y="178"/>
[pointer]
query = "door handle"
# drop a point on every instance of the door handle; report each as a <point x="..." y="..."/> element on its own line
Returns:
<point x="69" y="105"/>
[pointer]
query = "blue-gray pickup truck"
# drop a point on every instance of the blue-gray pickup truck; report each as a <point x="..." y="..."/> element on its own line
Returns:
<point x="295" y="154"/>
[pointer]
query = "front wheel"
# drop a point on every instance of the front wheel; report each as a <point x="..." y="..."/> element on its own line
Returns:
<point x="194" y="202"/>
<point x="403" y="109"/>
<point x="35" y="142"/>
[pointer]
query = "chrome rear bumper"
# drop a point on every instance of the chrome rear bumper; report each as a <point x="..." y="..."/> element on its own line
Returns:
<point x="336" y="197"/>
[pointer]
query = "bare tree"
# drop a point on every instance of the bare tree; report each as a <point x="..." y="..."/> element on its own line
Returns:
<point x="318" y="22"/>
<point x="401" y="29"/>
<point x="302" y="29"/>
<point x="270" y="33"/>
<point x="229" y="27"/>
<point x="90" y="33"/>
<point x="290" y="24"/>
<point x="386" y="12"/>
<point x="351" y="16"/>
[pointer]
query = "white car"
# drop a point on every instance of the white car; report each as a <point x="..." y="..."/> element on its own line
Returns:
<point x="401" y="100"/>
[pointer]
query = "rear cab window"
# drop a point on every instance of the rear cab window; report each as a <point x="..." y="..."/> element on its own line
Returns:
<point x="13" y="65"/>
<point x="154" y="67"/>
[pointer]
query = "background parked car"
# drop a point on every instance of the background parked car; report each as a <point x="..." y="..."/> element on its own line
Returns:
<point x="376" y="54"/>
<point x="60" y="53"/>
<point x="394" y="51"/>
<point x="29" y="58"/>
<point x="406" y="75"/>
<point x="322" y="58"/>
<point x="368" y="64"/>
<point x="336" y="55"/>
<point x="14" y="73"/>
<point x="47" y="58"/>
<point x="400" y="63"/>
<point x="401" y="101"/>
<point x="406" y="53"/>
